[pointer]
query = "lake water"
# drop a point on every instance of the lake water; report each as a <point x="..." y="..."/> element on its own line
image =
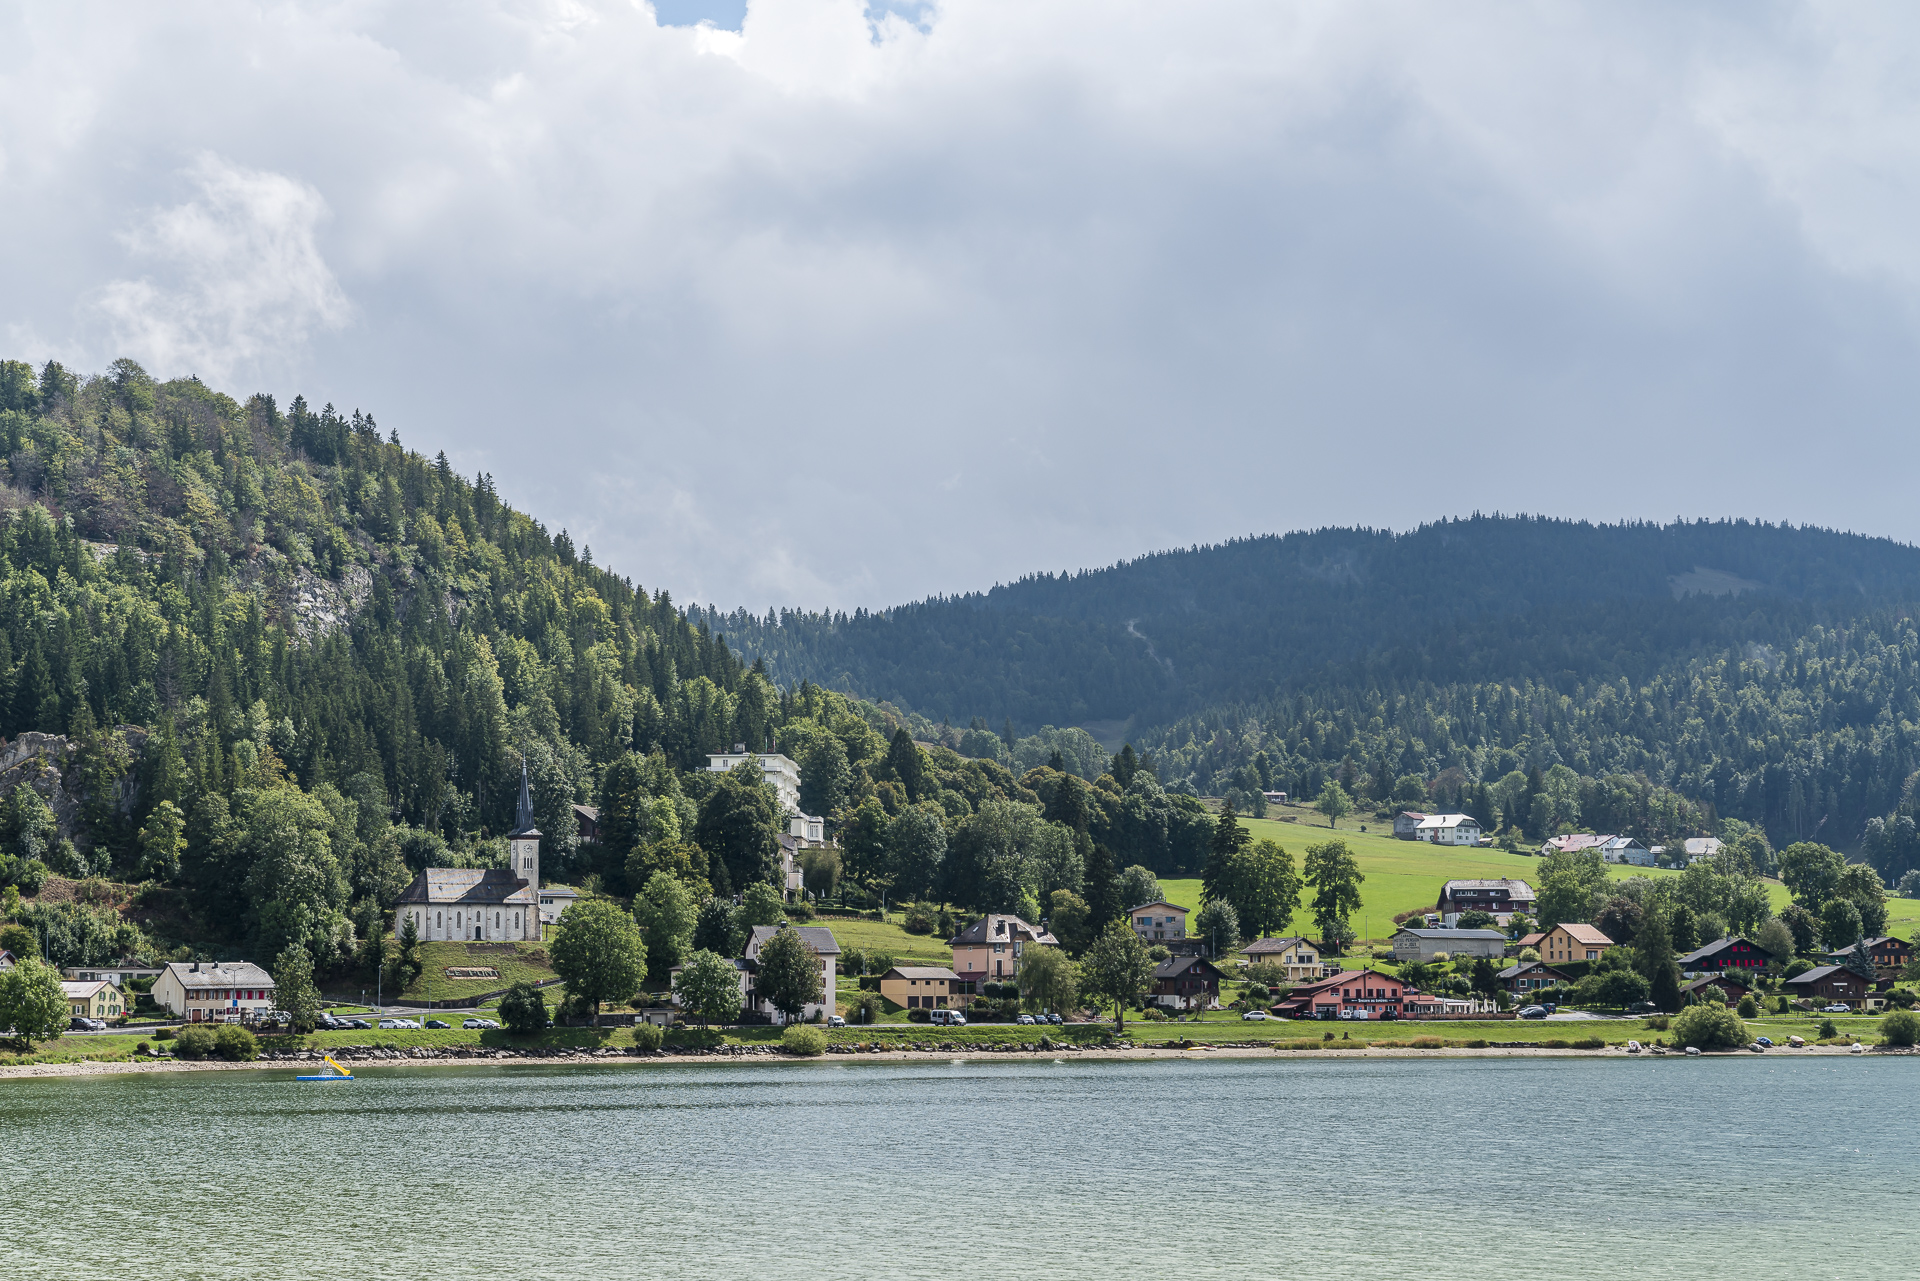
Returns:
<point x="1488" y="1168"/>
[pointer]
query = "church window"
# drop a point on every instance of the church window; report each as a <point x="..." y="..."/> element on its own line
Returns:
<point x="438" y="919"/>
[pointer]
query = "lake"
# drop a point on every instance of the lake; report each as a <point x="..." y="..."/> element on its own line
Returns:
<point x="1481" y="1168"/>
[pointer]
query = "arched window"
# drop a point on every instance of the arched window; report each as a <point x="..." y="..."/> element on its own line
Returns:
<point x="438" y="920"/>
<point x="496" y="920"/>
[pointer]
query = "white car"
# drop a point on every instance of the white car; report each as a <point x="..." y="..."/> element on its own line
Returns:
<point x="480" y="1023"/>
<point x="398" y="1023"/>
<point x="1255" y="1016"/>
<point x="1837" y="1009"/>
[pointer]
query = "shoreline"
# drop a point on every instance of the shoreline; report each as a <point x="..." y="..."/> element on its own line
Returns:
<point x="25" y="1071"/>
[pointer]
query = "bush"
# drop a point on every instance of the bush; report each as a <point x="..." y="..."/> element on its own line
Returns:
<point x="1427" y="1043"/>
<point x="867" y="1008"/>
<point x="1710" y="1027"/>
<point x="1902" y="1027"/>
<point x="649" y="1036"/>
<point x="1660" y="1022"/>
<point x="1827" y="1031"/>
<point x="919" y="1016"/>
<point x="235" y="1044"/>
<point x="1590" y="1043"/>
<point x="524" y="1010"/>
<point x="918" y="921"/>
<point x="142" y="1048"/>
<point x="698" y="1038"/>
<point x="809" y="1042"/>
<point x="1749" y="1008"/>
<point x="164" y="1034"/>
<point x="800" y="911"/>
<point x="195" y="1041"/>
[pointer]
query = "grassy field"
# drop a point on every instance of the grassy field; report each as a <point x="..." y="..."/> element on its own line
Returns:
<point x="887" y="936"/>
<point x="516" y="963"/>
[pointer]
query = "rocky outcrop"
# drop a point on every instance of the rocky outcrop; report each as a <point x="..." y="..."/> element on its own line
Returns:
<point x="311" y="606"/>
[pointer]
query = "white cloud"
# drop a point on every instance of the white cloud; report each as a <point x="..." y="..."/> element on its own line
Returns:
<point x="846" y="308"/>
<point x="242" y="276"/>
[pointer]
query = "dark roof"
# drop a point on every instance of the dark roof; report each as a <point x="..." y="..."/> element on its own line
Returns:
<point x="1715" y="980"/>
<point x="1720" y="945"/>
<point x="1815" y="975"/>
<point x="1516" y="970"/>
<point x="921" y="972"/>
<point x="1174" y="967"/>
<point x="1514" y="888"/>
<point x="1000" y="927"/>
<point x="1869" y="943"/>
<point x="523" y="817"/>
<point x="817" y="937"/>
<point x="467" y="885"/>
<point x="1260" y="947"/>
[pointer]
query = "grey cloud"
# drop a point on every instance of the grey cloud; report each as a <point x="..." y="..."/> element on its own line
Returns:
<point x="850" y="307"/>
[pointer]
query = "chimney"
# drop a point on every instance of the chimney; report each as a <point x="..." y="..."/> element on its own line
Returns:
<point x="739" y="749"/>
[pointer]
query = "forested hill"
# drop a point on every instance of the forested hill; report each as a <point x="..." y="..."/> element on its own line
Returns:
<point x="1171" y="634"/>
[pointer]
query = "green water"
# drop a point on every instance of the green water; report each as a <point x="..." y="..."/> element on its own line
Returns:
<point x="1405" y="1169"/>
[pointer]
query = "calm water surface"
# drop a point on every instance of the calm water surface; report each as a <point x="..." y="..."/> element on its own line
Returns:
<point x="1441" y="1168"/>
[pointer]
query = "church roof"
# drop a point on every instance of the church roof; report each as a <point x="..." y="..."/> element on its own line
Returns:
<point x="523" y="820"/>
<point x="468" y="885"/>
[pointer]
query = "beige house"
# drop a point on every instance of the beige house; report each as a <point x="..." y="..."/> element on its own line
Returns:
<point x="1158" y="921"/>
<point x="1565" y="943"/>
<point x="989" y="950"/>
<point x="94" y="999"/>
<point x="918" y="987"/>
<point x="210" y="992"/>
<point x="1300" y="956"/>
<point x="817" y="937"/>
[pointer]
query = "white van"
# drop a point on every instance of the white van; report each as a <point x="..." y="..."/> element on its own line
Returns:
<point x="947" y="1018"/>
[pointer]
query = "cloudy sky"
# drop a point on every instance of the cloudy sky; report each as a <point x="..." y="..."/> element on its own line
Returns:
<point x="815" y="303"/>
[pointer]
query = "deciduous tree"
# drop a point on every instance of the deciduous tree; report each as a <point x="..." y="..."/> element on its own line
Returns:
<point x="708" y="986"/>
<point x="598" y="950"/>
<point x="1116" y="970"/>
<point x="789" y="977"/>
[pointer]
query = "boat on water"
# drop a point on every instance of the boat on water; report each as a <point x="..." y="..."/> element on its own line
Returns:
<point x="333" y="1072"/>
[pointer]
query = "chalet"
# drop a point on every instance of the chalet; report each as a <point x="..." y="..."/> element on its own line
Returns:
<point x="1829" y="985"/>
<point x="1372" y="994"/>
<point x="1572" y="843"/>
<point x="1573" y="942"/>
<point x="1528" y="977"/>
<point x="1729" y="987"/>
<point x="1498" y="898"/>
<point x="586" y="821"/>
<point x="1159" y="920"/>
<point x="1448" y="829"/>
<point x="1890" y="955"/>
<point x="1406" y="823"/>
<point x="1733" y="953"/>
<point x="1300" y="956"/>
<point x="1423" y="945"/>
<point x="1185" y="983"/>
<point x="918" y="987"/>
<point x="206" y="992"/>
<point x="989" y="950"/>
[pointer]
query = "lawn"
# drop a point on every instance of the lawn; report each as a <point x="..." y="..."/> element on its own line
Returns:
<point x="886" y="936"/>
<point x="515" y="963"/>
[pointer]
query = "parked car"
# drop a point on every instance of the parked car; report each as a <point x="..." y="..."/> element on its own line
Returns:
<point x="331" y="1023"/>
<point x="1533" y="1012"/>
<point x="1643" y="1007"/>
<point x="1026" y="1019"/>
<point x="359" y="1023"/>
<point x="948" y="1018"/>
<point x="1055" y="1018"/>
<point x="1361" y="1015"/>
<point x="86" y="1025"/>
<point x="393" y="1023"/>
<point x="1255" y="1016"/>
<point x="1549" y="1006"/>
<point x="1837" y="1008"/>
<point x="437" y="1023"/>
<point x="834" y="1020"/>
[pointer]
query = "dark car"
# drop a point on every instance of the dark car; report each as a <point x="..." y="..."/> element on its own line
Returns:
<point x="1534" y="1012"/>
<point x="437" y="1023"/>
<point x="85" y="1025"/>
<point x="358" y="1023"/>
<point x="1549" y="1006"/>
<point x="1643" y="1007"/>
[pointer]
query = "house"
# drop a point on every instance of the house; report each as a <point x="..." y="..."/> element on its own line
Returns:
<point x="1571" y="942"/>
<point x="1572" y="843"/>
<point x="1698" y="847"/>
<point x="1730" y="987"/>
<point x="118" y="974"/>
<point x="1624" y="849"/>
<point x="491" y="903"/>
<point x="1890" y="955"/>
<point x="1733" y="953"/>
<point x="1300" y="956"/>
<point x="586" y="821"/>
<point x="6" y="960"/>
<point x="1501" y="899"/>
<point x="989" y="950"/>
<point x="1526" y="977"/>
<point x="817" y="937"/>
<point x="1185" y="983"/>
<point x="792" y="878"/>
<point x="919" y="987"/>
<point x="1448" y="829"/>
<point x="1406" y="823"/>
<point x="1275" y="798"/>
<point x="1159" y="920"/>
<point x="1533" y="940"/>
<point x="1423" y="945"/>
<point x="555" y="900"/>
<point x="1372" y="994"/>
<point x="94" y="999"/>
<point x="1828" y="985"/>
<point x="214" y="992"/>
<point x="780" y="772"/>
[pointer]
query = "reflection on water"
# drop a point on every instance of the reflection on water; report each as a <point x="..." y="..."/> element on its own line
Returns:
<point x="1412" y="1169"/>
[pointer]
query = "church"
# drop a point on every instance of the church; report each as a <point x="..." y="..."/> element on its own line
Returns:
<point x="481" y="904"/>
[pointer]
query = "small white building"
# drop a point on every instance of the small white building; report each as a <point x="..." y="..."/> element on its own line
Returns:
<point x="555" y="900"/>
<point x="1698" y="847"/>
<point x="1448" y="829"/>
<point x="214" y="992"/>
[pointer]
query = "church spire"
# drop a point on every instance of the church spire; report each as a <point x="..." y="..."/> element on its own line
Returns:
<point x="523" y="821"/>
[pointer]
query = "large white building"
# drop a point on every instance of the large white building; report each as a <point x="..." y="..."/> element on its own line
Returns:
<point x="489" y="904"/>
<point x="214" y="992"/>
<point x="1448" y="829"/>
<point x="781" y="772"/>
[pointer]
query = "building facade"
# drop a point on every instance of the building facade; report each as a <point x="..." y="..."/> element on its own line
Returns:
<point x="490" y="904"/>
<point x="94" y="999"/>
<point x="210" y="992"/>
<point x="989" y="950"/>
<point x="1499" y="898"/>
<point x="1159" y="921"/>
<point x="919" y="987"/>
<point x="1564" y="943"/>
<point x="817" y="937"/>
<point x="1301" y="957"/>
<point x="1185" y="983"/>
<point x="1425" y="945"/>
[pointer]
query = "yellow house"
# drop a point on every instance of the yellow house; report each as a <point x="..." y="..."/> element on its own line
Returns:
<point x="95" y="1000"/>
<point x="919" y="987"/>
<point x="1572" y="942"/>
<point x="1300" y="956"/>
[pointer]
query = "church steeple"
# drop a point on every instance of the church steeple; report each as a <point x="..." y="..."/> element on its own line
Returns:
<point x="523" y="820"/>
<point x="523" y="849"/>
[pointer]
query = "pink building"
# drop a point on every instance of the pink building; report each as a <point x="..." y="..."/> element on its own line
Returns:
<point x="989" y="950"/>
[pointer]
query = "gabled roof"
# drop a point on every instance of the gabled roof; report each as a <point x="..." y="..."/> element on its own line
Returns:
<point x="465" y="886"/>
<point x="1525" y="967"/>
<point x="1699" y="846"/>
<point x="1815" y="975"/>
<point x="1584" y="934"/>
<point x="1533" y="939"/>
<point x="1412" y="814"/>
<point x="220" y="974"/>
<point x="1715" y="980"/>
<point x="1869" y="944"/>
<point x="1174" y="967"/>
<point x="1514" y="889"/>
<point x="1718" y="946"/>
<point x="817" y="937"/>
<point x="1001" y="927"/>
<point x="1343" y="977"/>
<point x="1574" y="841"/>
<point x="1159" y="902"/>
<point x="921" y="972"/>
<point x="76" y="990"/>
<point x="1438" y="821"/>
<point x="1452" y="934"/>
<point x="1264" y="947"/>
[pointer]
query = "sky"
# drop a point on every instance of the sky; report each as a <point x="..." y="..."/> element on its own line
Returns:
<point x="819" y="304"/>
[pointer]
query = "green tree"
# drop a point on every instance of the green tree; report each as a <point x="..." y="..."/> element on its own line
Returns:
<point x="1840" y="923"/>
<point x="916" y="846"/>
<point x="738" y="827"/>
<point x="1902" y="1027"/>
<point x="821" y="869"/>
<point x="1810" y="872"/>
<point x="1572" y="886"/>
<point x="717" y="928"/>
<point x="1103" y="892"/>
<point x="863" y="840"/>
<point x="1116" y="970"/>
<point x="1219" y="925"/>
<point x="1048" y="980"/>
<point x="18" y="939"/>
<point x="666" y="914"/>
<point x="709" y="988"/>
<point x="1803" y="925"/>
<point x="1862" y="886"/>
<point x="789" y="976"/>
<point x="905" y="763"/>
<point x="762" y="905"/>
<point x="294" y="993"/>
<point x="524" y="1009"/>
<point x="1709" y="1027"/>
<point x="162" y="838"/>
<point x="1138" y="887"/>
<point x="32" y="1002"/>
<point x="1775" y="939"/>
<point x="1069" y="919"/>
<point x="598" y="951"/>
<point x="1217" y="881"/>
<point x="1334" y="802"/>
<point x="1334" y="875"/>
